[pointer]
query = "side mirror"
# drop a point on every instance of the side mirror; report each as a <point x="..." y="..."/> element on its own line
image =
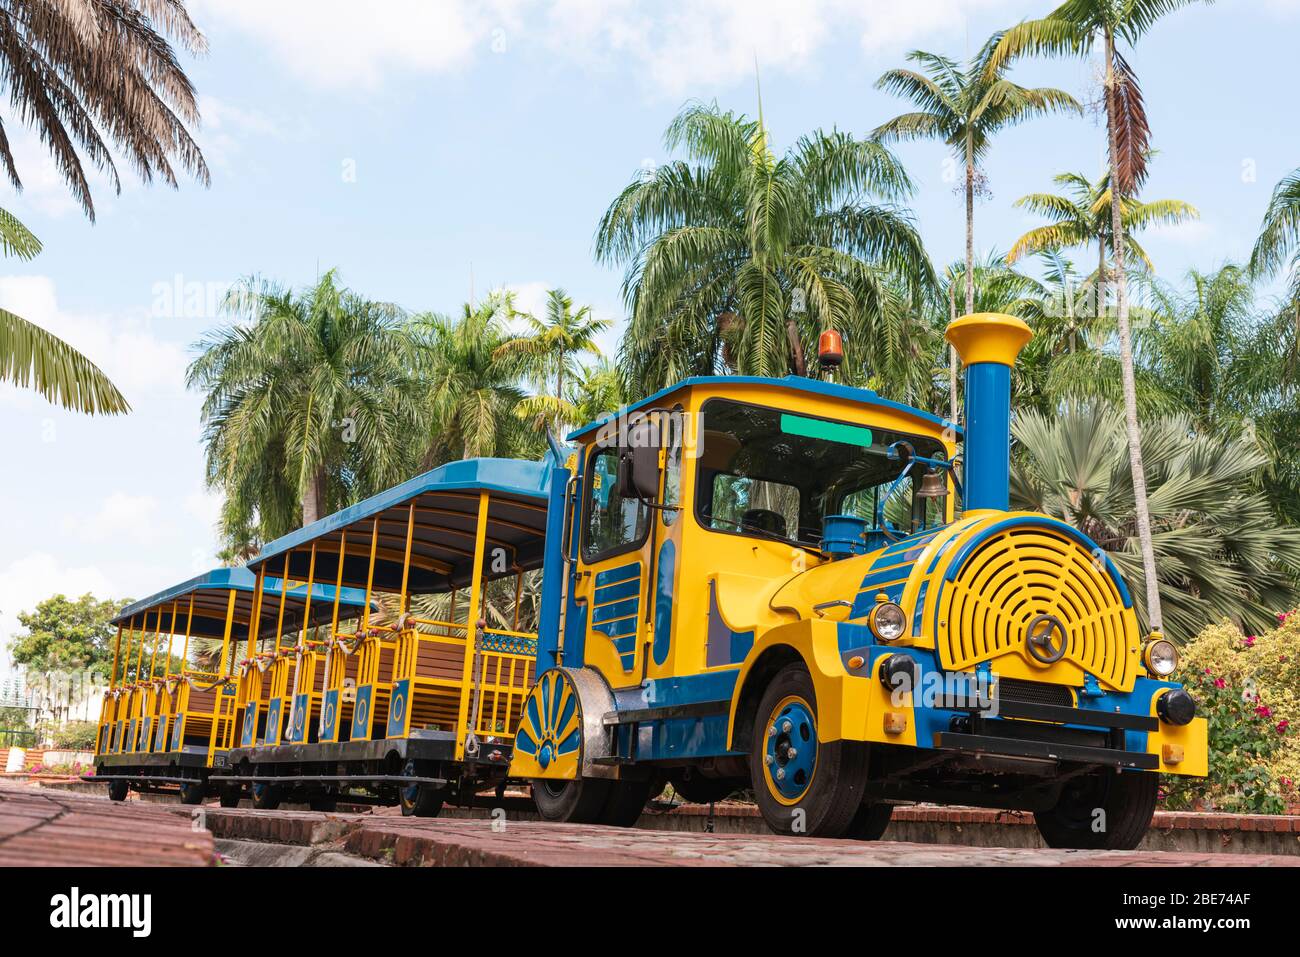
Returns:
<point x="638" y="462"/>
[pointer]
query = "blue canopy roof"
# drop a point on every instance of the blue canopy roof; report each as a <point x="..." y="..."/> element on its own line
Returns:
<point x="794" y="383"/>
<point x="446" y="505"/>
<point x="210" y="592"/>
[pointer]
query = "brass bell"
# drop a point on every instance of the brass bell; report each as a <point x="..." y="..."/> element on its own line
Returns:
<point x="933" y="485"/>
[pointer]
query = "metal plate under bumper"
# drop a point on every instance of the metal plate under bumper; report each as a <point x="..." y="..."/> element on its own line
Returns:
<point x="144" y="759"/>
<point x="1015" y="747"/>
<point x="439" y="748"/>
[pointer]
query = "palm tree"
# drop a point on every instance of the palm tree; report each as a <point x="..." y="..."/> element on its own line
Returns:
<point x="593" y="393"/>
<point x="307" y="402"/>
<point x="552" y="349"/>
<point x="32" y="357"/>
<point x="1279" y="237"/>
<point x="1222" y="554"/>
<point x="1082" y="216"/>
<point x="964" y="108"/>
<point x="99" y="74"/>
<point x="737" y="259"/>
<point x="1214" y="355"/>
<point x="1074" y="29"/>
<point x="470" y="386"/>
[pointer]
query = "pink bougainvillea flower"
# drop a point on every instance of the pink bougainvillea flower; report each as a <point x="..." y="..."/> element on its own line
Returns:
<point x="1264" y="711"/>
<point x="1220" y="683"/>
<point x="1282" y="726"/>
<point x="1250" y="641"/>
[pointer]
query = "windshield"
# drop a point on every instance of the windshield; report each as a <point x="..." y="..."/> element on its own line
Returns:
<point x="774" y="474"/>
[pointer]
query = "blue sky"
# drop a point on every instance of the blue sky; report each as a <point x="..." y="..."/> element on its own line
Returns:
<point x="421" y="147"/>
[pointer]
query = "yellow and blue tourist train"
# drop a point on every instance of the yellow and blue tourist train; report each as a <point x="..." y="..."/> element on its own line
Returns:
<point x="787" y="586"/>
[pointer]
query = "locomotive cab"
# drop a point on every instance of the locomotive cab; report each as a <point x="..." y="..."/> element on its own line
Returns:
<point x="801" y="588"/>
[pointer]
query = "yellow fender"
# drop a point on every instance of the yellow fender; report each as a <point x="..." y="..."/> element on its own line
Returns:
<point x="849" y="707"/>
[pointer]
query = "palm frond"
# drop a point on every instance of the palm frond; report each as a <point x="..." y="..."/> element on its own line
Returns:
<point x="32" y="358"/>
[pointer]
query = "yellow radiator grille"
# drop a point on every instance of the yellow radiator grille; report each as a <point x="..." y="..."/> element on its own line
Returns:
<point x="1024" y="572"/>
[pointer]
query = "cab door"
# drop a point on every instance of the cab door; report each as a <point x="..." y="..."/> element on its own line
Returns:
<point x="610" y="574"/>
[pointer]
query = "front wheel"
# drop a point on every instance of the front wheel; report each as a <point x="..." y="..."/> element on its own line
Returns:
<point x="1104" y="810"/>
<point x="802" y="786"/>
<point x="580" y="801"/>
<point x="230" y="794"/>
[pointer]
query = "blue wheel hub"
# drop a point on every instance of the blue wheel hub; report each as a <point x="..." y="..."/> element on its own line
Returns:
<point x="790" y="749"/>
<point x="545" y="755"/>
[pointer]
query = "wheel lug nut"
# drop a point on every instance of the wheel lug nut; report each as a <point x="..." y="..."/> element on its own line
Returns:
<point x="786" y="726"/>
<point x="791" y="753"/>
<point x="767" y="759"/>
<point x="780" y="774"/>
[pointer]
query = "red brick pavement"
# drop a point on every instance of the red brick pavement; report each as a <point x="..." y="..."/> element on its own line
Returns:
<point x="474" y="842"/>
<point x="56" y="827"/>
<point x="46" y="827"/>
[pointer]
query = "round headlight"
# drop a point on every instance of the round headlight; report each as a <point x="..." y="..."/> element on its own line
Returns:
<point x="1160" y="657"/>
<point x="888" y="621"/>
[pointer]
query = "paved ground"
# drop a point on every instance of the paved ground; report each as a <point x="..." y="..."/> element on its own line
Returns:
<point x="41" y="827"/>
<point x="52" y="827"/>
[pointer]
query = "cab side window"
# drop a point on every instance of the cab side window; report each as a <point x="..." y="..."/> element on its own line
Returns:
<point x="613" y="523"/>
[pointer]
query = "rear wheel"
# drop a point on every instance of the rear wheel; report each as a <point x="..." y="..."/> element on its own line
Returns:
<point x="1104" y="810"/>
<point x="229" y="795"/>
<point x="266" y="797"/>
<point x="326" y="801"/>
<point x="118" y="790"/>
<point x="419" y="799"/>
<point x="573" y="802"/>
<point x="193" y="792"/>
<point x="870" y="822"/>
<point x="802" y="786"/>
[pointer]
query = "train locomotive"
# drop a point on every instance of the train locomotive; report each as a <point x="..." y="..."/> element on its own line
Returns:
<point x="765" y="584"/>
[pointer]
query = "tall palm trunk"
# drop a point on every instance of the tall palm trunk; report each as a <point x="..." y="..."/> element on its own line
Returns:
<point x="1142" y="512"/>
<point x="952" y="359"/>
<point x="796" y="348"/>
<point x="313" y="498"/>
<point x="970" y="228"/>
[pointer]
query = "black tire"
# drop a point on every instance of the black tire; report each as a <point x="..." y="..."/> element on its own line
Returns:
<point x="572" y="802"/>
<point x="193" y="792"/>
<point x="118" y="790"/>
<point x="626" y="801"/>
<point x="230" y="795"/>
<point x="421" y="800"/>
<point x="1127" y="800"/>
<point x="833" y="792"/>
<point x="267" y="797"/>
<point x="870" y="822"/>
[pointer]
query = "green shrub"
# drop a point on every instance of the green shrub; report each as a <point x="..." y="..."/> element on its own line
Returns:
<point x="1248" y="689"/>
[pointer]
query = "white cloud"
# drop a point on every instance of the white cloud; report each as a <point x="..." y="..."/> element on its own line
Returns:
<point x="121" y="517"/>
<point x="338" y="44"/>
<point x="685" y="45"/>
<point x="675" y="46"/>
